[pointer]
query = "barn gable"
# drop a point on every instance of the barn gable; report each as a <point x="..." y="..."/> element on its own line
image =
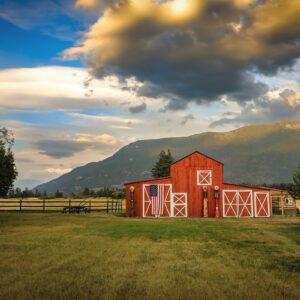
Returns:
<point x="195" y="158"/>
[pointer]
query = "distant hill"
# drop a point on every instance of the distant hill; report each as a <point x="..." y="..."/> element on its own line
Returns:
<point x="254" y="154"/>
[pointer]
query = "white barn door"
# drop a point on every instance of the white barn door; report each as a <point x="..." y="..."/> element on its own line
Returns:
<point x="157" y="200"/>
<point x="237" y="203"/>
<point x="179" y="205"/>
<point x="262" y="204"/>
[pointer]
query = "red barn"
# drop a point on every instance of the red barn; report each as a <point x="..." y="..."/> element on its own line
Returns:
<point x="195" y="188"/>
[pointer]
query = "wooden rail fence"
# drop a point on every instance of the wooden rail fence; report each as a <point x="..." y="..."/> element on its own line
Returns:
<point x="58" y="205"/>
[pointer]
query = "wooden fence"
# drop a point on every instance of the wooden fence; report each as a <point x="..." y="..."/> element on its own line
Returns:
<point x="60" y="205"/>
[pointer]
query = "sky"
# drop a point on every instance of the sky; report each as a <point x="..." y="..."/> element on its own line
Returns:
<point x="80" y="79"/>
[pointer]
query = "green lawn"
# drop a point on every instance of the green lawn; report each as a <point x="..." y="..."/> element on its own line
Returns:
<point x="56" y="256"/>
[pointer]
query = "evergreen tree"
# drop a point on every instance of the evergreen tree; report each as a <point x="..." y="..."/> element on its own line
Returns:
<point x="18" y="193"/>
<point x="58" y="194"/>
<point x="27" y="193"/>
<point x="11" y="193"/>
<point x="162" y="166"/>
<point x="37" y="194"/>
<point x="296" y="186"/>
<point x="86" y="192"/>
<point x="8" y="171"/>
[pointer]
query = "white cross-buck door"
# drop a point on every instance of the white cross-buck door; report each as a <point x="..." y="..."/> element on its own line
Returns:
<point x="179" y="205"/>
<point x="262" y="204"/>
<point x="237" y="203"/>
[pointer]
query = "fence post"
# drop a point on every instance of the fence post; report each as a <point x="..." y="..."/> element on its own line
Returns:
<point x="69" y="205"/>
<point x="90" y="204"/>
<point x="21" y="205"/>
<point x="107" y="204"/>
<point x="121" y="205"/>
<point x="44" y="205"/>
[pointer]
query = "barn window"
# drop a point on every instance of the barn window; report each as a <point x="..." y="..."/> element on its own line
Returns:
<point x="204" y="177"/>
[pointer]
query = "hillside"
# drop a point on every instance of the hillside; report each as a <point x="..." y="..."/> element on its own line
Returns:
<point x="255" y="154"/>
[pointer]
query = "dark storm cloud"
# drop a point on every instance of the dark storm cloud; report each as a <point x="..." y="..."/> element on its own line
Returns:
<point x="138" y="109"/>
<point x="194" y="53"/>
<point x="60" y="148"/>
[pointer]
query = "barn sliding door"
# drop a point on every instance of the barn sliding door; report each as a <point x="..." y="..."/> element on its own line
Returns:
<point x="262" y="204"/>
<point x="237" y="203"/>
<point x="179" y="205"/>
<point x="157" y="200"/>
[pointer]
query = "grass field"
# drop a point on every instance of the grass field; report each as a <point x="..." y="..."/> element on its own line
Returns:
<point x="99" y="256"/>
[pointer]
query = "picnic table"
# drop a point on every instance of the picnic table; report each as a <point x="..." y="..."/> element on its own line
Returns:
<point x="76" y="209"/>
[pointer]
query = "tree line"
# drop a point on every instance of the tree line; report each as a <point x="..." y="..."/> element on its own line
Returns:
<point x="85" y="193"/>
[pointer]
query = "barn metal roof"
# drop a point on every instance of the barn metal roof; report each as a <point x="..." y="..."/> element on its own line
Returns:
<point x="146" y="180"/>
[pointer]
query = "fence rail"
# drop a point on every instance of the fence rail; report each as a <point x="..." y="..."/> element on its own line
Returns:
<point x="56" y="205"/>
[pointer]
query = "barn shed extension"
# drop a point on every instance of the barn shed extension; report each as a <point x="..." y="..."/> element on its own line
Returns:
<point x="196" y="188"/>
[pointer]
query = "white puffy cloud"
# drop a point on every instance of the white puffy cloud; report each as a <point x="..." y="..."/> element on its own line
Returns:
<point x="60" y="88"/>
<point x="103" y="138"/>
<point x="58" y="171"/>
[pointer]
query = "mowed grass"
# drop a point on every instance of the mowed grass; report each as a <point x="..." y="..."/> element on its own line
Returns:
<point x="99" y="256"/>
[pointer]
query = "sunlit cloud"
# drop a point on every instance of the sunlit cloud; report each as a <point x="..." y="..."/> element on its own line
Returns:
<point x="192" y="51"/>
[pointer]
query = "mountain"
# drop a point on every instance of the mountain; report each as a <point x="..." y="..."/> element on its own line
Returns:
<point x="26" y="183"/>
<point x="256" y="154"/>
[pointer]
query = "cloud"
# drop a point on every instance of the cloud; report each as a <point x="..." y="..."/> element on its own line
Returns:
<point x="284" y="106"/>
<point x="138" y="109"/>
<point x="107" y="118"/>
<point x="56" y="18"/>
<point x="95" y="4"/>
<point x="60" y="149"/>
<point x="192" y="51"/>
<point x="186" y="119"/>
<point x="58" y="171"/>
<point x="80" y="142"/>
<point x="60" y="88"/>
<point x="105" y="139"/>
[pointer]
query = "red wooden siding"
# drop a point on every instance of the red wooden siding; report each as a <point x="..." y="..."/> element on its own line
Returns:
<point x="184" y="179"/>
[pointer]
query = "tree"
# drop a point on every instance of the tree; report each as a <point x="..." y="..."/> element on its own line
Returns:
<point x="296" y="186"/>
<point x="27" y="193"/>
<point x="37" y="194"/>
<point x="18" y="193"/>
<point x="86" y="192"/>
<point x="58" y="194"/>
<point x="162" y="166"/>
<point x="8" y="171"/>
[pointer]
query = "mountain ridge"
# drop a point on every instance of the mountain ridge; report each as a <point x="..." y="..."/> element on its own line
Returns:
<point x="263" y="153"/>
